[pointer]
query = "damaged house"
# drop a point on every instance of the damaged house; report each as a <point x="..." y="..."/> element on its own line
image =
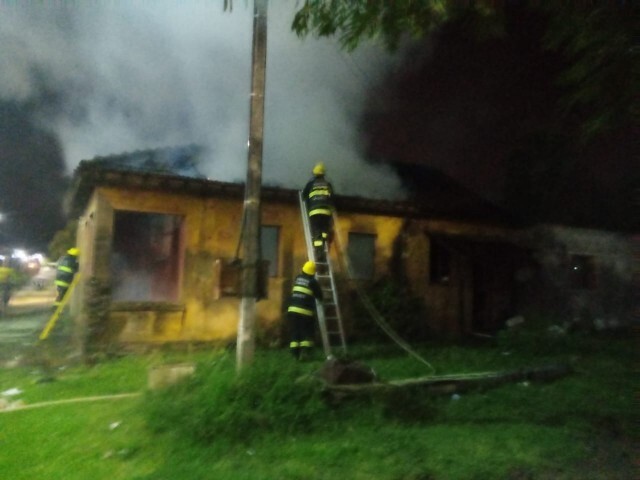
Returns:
<point x="159" y="243"/>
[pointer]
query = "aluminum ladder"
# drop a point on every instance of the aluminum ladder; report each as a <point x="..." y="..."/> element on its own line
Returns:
<point x="329" y="317"/>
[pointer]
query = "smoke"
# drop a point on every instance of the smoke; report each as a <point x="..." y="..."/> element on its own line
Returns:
<point x="110" y="77"/>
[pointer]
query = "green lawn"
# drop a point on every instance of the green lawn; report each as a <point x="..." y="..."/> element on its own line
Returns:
<point x="273" y="426"/>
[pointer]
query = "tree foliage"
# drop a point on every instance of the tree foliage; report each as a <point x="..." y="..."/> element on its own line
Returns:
<point x="603" y="73"/>
<point x="599" y="42"/>
<point x="359" y="20"/>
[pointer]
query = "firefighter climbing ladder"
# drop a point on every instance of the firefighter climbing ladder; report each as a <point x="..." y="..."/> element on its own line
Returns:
<point x="325" y="322"/>
<point x="329" y="317"/>
<point x="56" y="314"/>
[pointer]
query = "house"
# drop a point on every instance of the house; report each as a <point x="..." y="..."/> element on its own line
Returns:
<point x="159" y="240"/>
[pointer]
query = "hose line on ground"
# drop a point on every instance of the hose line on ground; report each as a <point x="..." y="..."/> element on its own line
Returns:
<point x="373" y="311"/>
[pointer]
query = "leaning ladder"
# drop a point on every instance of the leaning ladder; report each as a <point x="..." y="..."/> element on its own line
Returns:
<point x="329" y="317"/>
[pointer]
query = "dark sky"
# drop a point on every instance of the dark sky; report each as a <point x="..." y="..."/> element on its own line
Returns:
<point x="488" y="111"/>
<point x="31" y="180"/>
<point x="461" y="104"/>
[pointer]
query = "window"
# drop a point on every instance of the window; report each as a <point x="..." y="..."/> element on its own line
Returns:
<point x="146" y="258"/>
<point x="269" y="241"/>
<point x="582" y="272"/>
<point x="361" y="252"/>
<point x="440" y="263"/>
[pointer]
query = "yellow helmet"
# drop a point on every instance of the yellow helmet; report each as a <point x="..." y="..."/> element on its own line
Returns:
<point x="319" y="169"/>
<point x="309" y="268"/>
<point x="73" y="252"/>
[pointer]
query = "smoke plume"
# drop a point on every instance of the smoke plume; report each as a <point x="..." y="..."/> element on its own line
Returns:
<point x="110" y="77"/>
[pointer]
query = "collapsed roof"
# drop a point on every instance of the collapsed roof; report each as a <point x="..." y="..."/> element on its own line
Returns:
<point x="175" y="169"/>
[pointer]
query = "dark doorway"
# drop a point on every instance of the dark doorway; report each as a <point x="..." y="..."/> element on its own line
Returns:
<point x="147" y="257"/>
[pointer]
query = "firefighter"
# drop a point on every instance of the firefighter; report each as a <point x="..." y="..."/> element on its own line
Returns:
<point x="6" y="286"/>
<point x="318" y="195"/>
<point x="302" y="310"/>
<point x="67" y="269"/>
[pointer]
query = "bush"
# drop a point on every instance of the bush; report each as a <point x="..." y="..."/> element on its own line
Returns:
<point x="269" y="396"/>
<point x="405" y="314"/>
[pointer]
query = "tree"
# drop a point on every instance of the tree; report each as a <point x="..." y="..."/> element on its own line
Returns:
<point x="602" y="76"/>
<point x="63" y="240"/>
<point x="360" y="20"/>
<point x="603" y="73"/>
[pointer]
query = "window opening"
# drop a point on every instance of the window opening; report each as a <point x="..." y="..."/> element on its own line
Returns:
<point x="269" y="241"/>
<point x="361" y="251"/>
<point x="440" y="263"/>
<point x="582" y="272"/>
<point x="146" y="258"/>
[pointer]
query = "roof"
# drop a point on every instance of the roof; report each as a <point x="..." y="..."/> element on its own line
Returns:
<point x="430" y="186"/>
<point x="179" y="161"/>
<point x="175" y="169"/>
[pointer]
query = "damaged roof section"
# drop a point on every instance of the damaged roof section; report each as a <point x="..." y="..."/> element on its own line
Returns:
<point x="175" y="161"/>
<point x="175" y="169"/>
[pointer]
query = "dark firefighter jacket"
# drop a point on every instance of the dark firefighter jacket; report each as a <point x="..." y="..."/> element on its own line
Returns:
<point x="303" y="295"/>
<point x="67" y="268"/>
<point x="318" y="194"/>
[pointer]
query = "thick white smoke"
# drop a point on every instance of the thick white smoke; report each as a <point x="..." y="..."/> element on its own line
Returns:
<point x="112" y="77"/>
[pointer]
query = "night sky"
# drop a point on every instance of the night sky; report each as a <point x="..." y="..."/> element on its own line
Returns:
<point x="489" y="112"/>
<point x="84" y="83"/>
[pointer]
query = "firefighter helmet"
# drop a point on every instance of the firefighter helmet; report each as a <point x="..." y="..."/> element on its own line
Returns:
<point x="319" y="169"/>
<point x="309" y="268"/>
<point x="74" y="252"/>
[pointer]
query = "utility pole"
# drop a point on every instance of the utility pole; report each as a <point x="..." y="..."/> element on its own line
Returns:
<point x="245" y="347"/>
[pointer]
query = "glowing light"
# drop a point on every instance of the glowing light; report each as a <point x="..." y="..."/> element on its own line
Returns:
<point x="19" y="254"/>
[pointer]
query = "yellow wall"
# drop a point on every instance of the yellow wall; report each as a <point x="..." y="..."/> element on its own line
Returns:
<point x="211" y="230"/>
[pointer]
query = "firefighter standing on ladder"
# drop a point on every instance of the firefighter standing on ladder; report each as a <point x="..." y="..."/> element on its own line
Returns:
<point x="67" y="269"/>
<point x="318" y="195"/>
<point x="301" y="311"/>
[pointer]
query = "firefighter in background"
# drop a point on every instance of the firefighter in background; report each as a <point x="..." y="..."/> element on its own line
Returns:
<point x="7" y="275"/>
<point x="318" y="195"/>
<point x="67" y="269"/>
<point x="301" y="311"/>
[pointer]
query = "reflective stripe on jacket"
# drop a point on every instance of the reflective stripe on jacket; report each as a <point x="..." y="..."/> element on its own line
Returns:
<point x="67" y="268"/>
<point x="303" y="295"/>
<point x="318" y="194"/>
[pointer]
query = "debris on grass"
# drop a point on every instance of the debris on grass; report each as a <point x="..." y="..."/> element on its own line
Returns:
<point x="11" y="392"/>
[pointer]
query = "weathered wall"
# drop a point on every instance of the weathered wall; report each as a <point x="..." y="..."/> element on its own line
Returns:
<point x="450" y="307"/>
<point x="608" y="302"/>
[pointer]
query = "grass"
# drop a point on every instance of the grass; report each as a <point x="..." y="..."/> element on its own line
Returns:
<point x="271" y="424"/>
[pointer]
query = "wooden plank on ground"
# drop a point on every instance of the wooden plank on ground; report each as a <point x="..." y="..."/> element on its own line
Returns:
<point x="448" y="384"/>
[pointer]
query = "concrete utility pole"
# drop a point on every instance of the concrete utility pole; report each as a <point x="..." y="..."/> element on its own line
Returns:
<point x="251" y="238"/>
